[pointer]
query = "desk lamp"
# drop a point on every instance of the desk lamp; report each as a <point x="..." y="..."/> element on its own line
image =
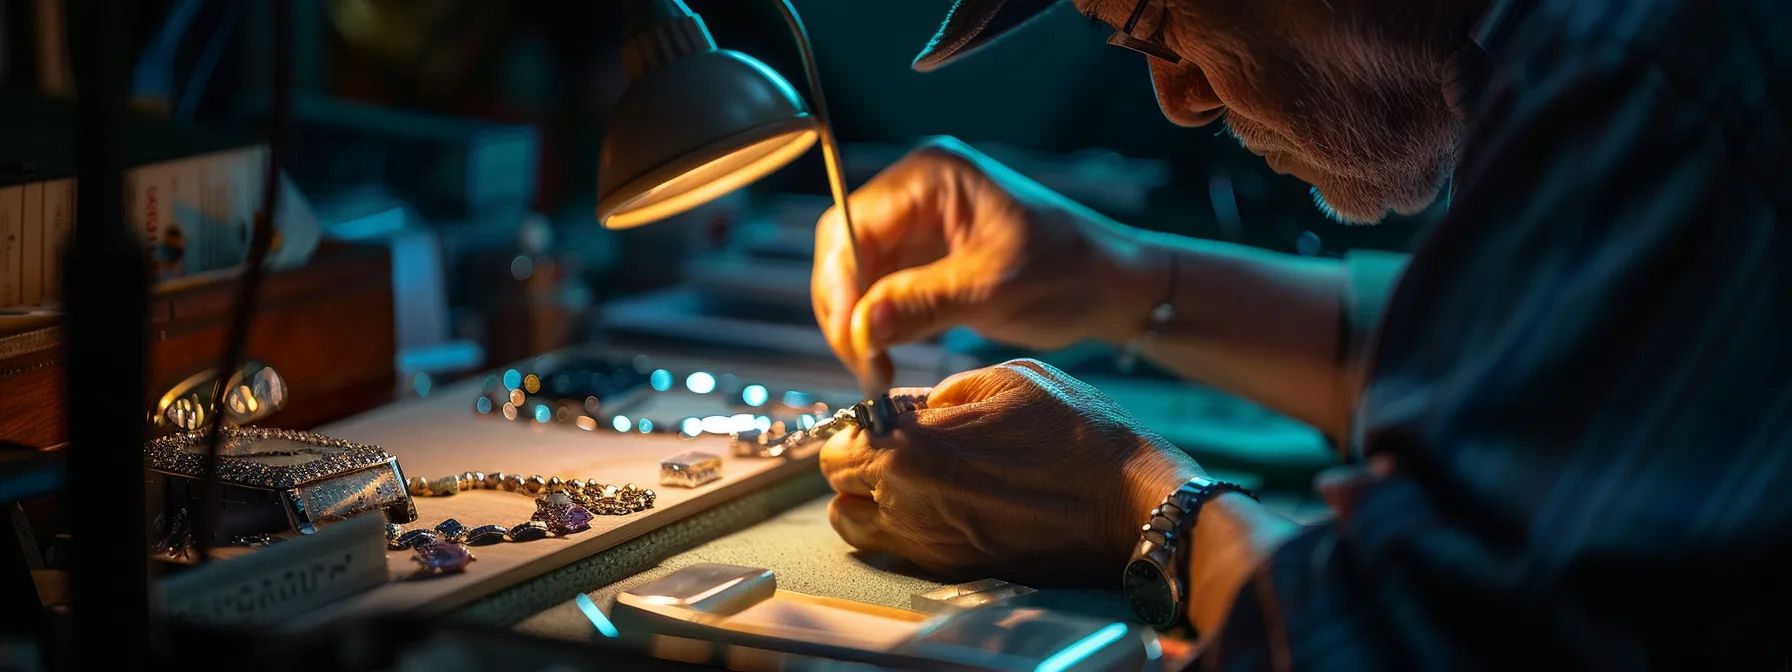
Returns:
<point x="698" y="122"/>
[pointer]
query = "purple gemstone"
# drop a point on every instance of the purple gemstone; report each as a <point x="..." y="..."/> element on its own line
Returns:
<point x="443" y="558"/>
<point x="572" y="519"/>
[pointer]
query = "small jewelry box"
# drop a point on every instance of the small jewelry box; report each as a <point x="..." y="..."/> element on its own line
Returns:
<point x="277" y="480"/>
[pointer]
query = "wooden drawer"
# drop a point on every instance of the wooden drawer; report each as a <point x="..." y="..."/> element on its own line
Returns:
<point x="327" y="328"/>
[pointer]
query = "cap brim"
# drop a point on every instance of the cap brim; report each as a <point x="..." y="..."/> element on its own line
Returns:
<point x="974" y="24"/>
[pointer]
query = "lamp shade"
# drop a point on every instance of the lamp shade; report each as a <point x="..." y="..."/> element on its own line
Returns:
<point x="694" y="128"/>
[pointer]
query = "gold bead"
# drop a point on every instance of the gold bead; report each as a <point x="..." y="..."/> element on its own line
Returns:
<point x="444" y="486"/>
<point x="575" y="485"/>
<point x="535" y="484"/>
<point x="610" y="491"/>
<point x="478" y="480"/>
<point x="513" y="483"/>
<point x="555" y="484"/>
<point x="419" y="486"/>
<point x="494" y="480"/>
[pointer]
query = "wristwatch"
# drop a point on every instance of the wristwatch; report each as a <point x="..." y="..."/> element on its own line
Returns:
<point x="1154" y="583"/>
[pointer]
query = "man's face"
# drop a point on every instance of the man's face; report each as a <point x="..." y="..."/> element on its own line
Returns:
<point x="1350" y="104"/>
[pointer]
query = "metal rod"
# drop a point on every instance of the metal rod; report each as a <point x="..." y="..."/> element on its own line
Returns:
<point x="830" y="149"/>
<point x="106" y="304"/>
<point x="205" y="519"/>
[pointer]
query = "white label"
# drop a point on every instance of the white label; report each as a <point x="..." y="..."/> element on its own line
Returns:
<point x="12" y="244"/>
<point x="31" y="268"/>
<point x="282" y="580"/>
<point x="59" y="225"/>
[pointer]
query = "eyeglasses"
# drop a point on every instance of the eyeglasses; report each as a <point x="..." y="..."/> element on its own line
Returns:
<point x="1152" y="45"/>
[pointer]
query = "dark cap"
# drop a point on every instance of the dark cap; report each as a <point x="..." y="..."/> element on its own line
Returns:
<point x="973" y="24"/>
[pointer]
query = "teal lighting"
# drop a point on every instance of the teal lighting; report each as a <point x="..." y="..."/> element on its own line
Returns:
<point x="1082" y="649"/>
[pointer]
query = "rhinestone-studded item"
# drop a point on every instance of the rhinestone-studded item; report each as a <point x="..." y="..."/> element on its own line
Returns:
<point x="174" y="454"/>
<point x="314" y="479"/>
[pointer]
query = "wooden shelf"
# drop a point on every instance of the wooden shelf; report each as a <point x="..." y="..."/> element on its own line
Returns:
<point x="327" y="328"/>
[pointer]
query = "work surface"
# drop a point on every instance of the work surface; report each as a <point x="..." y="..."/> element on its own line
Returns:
<point x="441" y="435"/>
<point x="768" y="513"/>
<point x="806" y="555"/>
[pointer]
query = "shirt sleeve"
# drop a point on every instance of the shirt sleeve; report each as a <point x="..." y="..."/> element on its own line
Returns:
<point x="1583" y="381"/>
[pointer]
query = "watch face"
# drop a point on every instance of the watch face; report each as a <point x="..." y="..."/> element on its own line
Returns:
<point x="1149" y="592"/>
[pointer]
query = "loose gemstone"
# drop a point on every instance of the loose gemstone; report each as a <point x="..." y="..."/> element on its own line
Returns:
<point x="572" y="519"/>
<point x="443" y="558"/>
<point x="530" y="531"/>
<point x="415" y="538"/>
<point x="486" y="535"/>
<point x="452" y="530"/>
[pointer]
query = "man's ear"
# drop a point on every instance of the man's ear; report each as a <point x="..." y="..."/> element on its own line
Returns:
<point x="1184" y="94"/>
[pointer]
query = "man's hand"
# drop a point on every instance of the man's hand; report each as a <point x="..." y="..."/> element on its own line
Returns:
<point x="1017" y="471"/>
<point x="949" y="237"/>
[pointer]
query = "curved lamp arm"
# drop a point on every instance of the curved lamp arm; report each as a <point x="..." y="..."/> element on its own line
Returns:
<point x="830" y="147"/>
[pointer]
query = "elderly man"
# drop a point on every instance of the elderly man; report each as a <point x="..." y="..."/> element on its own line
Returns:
<point x="1569" y="413"/>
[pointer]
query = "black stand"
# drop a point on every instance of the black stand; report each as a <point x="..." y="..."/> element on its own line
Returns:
<point x="106" y="300"/>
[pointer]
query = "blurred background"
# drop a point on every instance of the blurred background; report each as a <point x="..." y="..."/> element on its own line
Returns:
<point x="460" y="137"/>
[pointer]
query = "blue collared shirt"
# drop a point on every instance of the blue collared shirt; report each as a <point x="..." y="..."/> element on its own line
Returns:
<point x="1584" y="374"/>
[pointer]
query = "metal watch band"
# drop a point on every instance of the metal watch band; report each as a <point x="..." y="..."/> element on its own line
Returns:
<point x="1165" y="537"/>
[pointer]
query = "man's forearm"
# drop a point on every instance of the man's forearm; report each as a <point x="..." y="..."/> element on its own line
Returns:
<point x="1264" y="325"/>
<point x="1232" y="539"/>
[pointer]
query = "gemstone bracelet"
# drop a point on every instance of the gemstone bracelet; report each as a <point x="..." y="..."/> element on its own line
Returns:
<point x="562" y="508"/>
